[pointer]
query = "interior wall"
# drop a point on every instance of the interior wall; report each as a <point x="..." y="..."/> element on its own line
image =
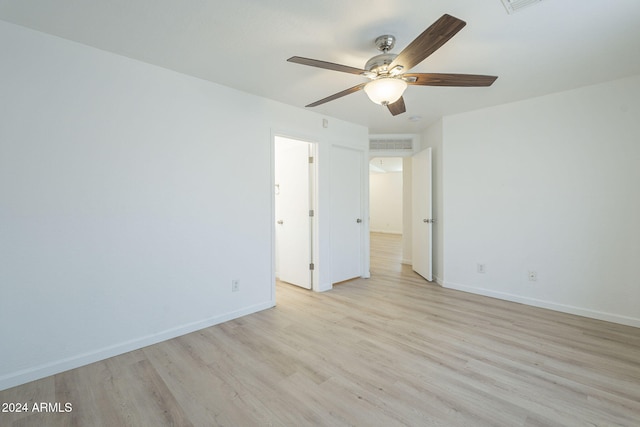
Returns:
<point x="548" y="185"/>
<point x="385" y="191"/>
<point x="130" y="197"/>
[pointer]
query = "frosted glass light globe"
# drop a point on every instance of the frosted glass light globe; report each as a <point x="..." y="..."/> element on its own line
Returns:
<point x="385" y="90"/>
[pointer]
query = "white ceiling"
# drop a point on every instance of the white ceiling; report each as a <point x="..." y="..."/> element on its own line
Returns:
<point x="548" y="47"/>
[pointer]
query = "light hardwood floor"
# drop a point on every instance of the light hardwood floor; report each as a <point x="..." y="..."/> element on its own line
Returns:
<point x="390" y="350"/>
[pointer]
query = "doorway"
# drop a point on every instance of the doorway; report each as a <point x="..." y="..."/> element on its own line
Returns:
<point x="386" y="209"/>
<point x="402" y="205"/>
<point x="294" y="205"/>
<point x="386" y="195"/>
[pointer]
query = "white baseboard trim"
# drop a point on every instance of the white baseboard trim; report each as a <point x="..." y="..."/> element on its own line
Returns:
<point x="398" y="233"/>
<point x="438" y="280"/>
<point x="323" y="287"/>
<point x="563" y="308"/>
<point x="407" y="261"/>
<point x="58" y="366"/>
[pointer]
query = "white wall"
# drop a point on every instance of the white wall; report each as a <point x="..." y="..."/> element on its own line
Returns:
<point x="130" y="197"/>
<point x="385" y="192"/>
<point x="548" y="184"/>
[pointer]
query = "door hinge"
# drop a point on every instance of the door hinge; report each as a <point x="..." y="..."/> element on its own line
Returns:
<point x="312" y="266"/>
<point x="310" y="159"/>
<point x="311" y="212"/>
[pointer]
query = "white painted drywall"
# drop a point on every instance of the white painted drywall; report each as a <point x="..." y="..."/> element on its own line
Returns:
<point x="385" y="192"/>
<point x="130" y="197"/>
<point x="550" y="185"/>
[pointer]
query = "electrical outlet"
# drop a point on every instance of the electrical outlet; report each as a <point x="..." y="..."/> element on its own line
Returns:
<point x="482" y="268"/>
<point x="533" y="276"/>
<point x="235" y="285"/>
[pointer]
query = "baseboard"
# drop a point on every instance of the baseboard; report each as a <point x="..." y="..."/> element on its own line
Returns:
<point x="56" y="367"/>
<point x="438" y="280"/>
<point x="407" y="261"/>
<point x="563" y="308"/>
<point x="323" y="287"/>
<point x="398" y="233"/>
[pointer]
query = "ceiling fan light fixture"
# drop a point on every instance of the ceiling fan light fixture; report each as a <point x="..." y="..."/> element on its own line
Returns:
<point x="385" y="90"/>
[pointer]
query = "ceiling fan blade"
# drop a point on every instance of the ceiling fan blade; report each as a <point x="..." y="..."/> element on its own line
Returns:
<point x="447" y="79"/>
<point x="397" y="107"/>
<point x="337" y="95"/>
<point x="326" y="65"/>
<point x="428" y="42"/>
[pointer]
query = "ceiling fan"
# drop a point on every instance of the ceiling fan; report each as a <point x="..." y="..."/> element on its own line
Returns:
<point x="388" y="72"/>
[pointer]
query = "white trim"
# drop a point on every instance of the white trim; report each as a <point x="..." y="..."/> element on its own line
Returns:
<point x="579" y="311"/>
<point x="44" y="370"/>
<point x="324" y="287"/>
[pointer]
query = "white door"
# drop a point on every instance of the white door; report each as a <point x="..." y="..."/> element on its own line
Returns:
<point x="293" y="223"/>
<point x="422" y="221"/>
<point x="347" y="222"/>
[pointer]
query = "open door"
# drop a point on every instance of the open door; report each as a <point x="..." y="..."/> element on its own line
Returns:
<point x="293" y="211"/>
<point x="422" y="220"/>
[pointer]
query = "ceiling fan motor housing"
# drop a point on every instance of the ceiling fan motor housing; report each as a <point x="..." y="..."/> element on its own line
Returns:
<point x="379" y="64"/>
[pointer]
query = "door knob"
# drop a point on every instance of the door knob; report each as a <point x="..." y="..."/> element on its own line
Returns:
<point x="358" y="220"/>
<point x="425" y="220"/>
<point x="280" y="222"/>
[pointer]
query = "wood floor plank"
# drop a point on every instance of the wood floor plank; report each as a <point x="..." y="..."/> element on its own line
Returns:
<point x="390" y="350"/>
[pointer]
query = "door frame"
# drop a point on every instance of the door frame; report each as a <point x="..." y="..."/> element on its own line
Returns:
<point x="313" y="175"/>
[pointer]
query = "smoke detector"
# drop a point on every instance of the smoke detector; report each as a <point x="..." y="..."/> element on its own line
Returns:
<point x="513" y="6"/>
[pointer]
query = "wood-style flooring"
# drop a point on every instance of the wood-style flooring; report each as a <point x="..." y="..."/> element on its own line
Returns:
<point x="393" y="350"/>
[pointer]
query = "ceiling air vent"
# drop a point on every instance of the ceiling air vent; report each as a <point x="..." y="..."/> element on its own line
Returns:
<point x="513" y="6"/>
<point x="394" y="144"/>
